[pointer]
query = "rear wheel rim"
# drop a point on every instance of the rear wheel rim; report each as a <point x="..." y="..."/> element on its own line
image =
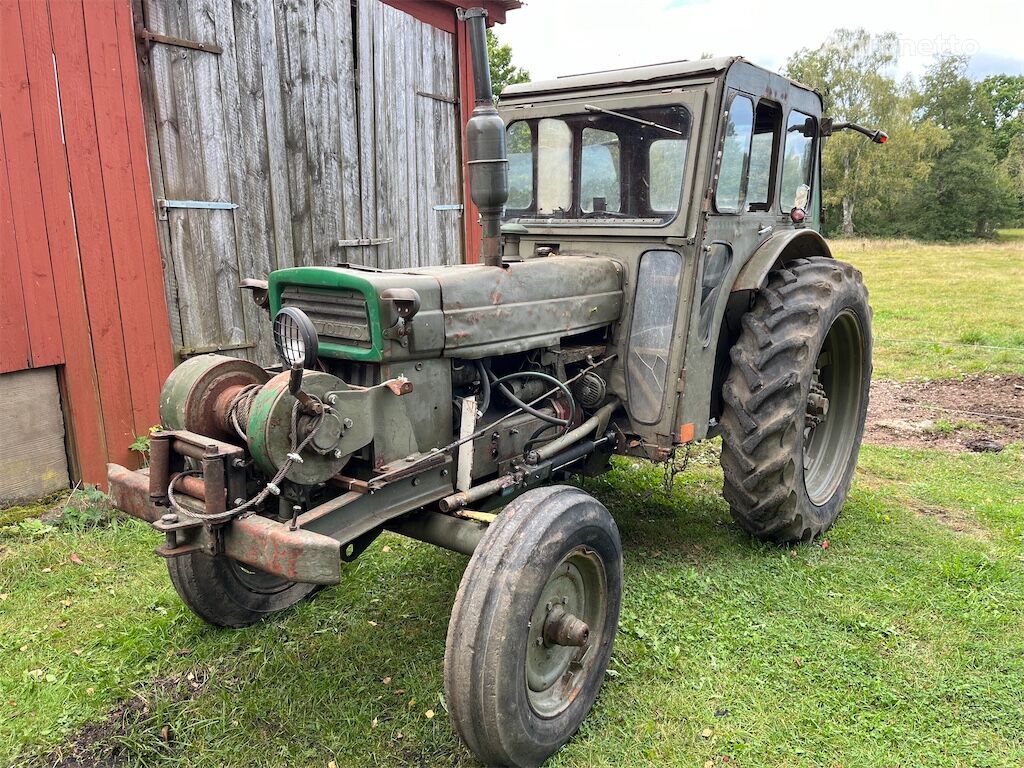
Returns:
<point x="830" y="439"/>
<point x="555" y="674"/>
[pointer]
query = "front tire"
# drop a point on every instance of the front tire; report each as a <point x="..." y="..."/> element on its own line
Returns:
<point x="796" y="399"/>
<point x="226" y="593"/>
<point x="532" y="627"/>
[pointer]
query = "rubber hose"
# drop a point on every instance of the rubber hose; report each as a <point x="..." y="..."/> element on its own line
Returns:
<point x="485" y="387"/>
<point x="499" y="383"/>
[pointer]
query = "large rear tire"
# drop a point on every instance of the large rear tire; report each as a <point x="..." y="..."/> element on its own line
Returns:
<point x="532" y="627"/>
<point x="795" y="400"/>
<point x="226" y="593"/>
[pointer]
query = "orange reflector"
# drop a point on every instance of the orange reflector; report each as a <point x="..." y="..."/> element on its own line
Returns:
<point x="686" y="433"/>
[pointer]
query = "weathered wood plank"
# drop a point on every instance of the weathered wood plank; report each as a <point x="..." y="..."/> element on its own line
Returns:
<point x="367" y="53"/>
<point x="348" y="130"/>
<point x="384" y="131"/>
<point x="15" y="353"/>
<point x="292" y="32"/>
<point x="81" y="395"/>
<point x="323" y="135"/>
<point x="145" y="216"/>
<point x="426" y="130"/>
<point x="157" y="160"/>
<point x="249" y="166"/>
<point x="270" y="70"/>
<point x="177" y="127"/>
<point x="221" y="260"/>
<point x="409" y="203"/>
<point x="448" y="145"/>
<point x="26" y="199"/>
<point x="118" y="194"/>
<point x="105" y="320"/>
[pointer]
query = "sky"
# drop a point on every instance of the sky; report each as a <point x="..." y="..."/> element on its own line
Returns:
<point x="563" y="37"/>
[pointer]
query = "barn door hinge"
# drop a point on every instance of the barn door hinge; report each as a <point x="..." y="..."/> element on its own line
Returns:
<point x="364" y="241"/>
<point x="163" y="205"/>
<point x="449" y="207"/>
<point x="143" y="34"/>
<point x="438" y="97"/>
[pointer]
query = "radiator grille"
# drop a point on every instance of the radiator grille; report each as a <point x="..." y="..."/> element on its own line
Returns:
<point x="339" y="315"/>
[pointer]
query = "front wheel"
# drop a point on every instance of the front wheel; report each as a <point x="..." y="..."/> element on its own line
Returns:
<point x="533" y="624"/>
<point x="795" y="400"/>
<point x="227" y="593"/>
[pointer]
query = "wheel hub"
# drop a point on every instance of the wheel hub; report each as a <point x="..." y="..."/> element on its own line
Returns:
<point x="817" y="401"/>
<point x="562" y="628"/>
<point x="833" y="410"/>
<point x="560" y="638"/>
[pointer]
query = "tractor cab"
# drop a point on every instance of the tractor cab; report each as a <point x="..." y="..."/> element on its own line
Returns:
<point x="695" y="177"/>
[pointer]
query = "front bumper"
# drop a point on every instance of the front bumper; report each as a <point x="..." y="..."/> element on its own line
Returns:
<point x="297" y="555"/>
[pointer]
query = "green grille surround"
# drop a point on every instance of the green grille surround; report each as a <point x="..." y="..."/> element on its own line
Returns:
<point x="338" y="279"/>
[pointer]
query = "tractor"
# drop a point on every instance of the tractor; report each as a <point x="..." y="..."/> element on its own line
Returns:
<point x="651" y="273"/>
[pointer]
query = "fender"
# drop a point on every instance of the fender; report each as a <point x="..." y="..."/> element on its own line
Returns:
<point x="779" y="248"/>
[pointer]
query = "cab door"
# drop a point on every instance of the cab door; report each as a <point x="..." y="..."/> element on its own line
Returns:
<point x="741" y="214"/>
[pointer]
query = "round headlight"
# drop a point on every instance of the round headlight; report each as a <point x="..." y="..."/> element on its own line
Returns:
<point x="295" y="337"/>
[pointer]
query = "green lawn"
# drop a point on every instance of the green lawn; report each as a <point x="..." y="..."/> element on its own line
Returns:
<point x="944" y="310"/>
<point x="901" y="643"/>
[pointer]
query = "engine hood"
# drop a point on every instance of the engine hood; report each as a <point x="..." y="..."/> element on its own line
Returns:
<point x="467" y="311"/>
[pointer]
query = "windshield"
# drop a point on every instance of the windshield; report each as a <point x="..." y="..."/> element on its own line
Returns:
<point x="601" y="164"/>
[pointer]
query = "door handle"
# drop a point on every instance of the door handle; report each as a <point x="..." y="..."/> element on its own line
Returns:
<point x="765" y="230"/>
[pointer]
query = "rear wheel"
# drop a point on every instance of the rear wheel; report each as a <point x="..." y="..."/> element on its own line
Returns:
<point x="796" y="399"/>
<point x="227" y="593"/>
<point x="533" y="624"/>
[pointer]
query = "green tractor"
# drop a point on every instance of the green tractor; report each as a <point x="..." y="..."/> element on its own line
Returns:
<point x="651" y="274"/>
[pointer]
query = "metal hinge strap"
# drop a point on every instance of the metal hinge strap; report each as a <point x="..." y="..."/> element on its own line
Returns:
<point x="449" y="207"/>
<point x="141" y="33"/>
<point x="438" y="97"/>
<point x="163" y="205"/>
<point x="364" y="241"/>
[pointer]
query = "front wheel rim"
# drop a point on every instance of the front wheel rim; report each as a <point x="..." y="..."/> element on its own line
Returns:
<point x="837" y="389"/>
<point x="256" y="581"/>
<point x="556" y="673"/>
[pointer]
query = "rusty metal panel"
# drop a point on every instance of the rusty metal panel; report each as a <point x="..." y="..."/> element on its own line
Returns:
<point x="490" y="310"/>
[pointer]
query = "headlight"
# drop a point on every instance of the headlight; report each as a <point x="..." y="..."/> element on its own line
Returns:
<point x="295" y="337"/>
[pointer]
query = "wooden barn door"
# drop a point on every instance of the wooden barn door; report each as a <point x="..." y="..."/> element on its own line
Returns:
<point x="292" y="133"/>
<point x="409" y="137"/>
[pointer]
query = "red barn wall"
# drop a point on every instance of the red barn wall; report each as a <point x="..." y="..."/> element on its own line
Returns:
<point x="82" y="282"/>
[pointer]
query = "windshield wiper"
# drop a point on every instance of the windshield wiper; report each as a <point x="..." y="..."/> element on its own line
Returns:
<point x="592" y="108"/>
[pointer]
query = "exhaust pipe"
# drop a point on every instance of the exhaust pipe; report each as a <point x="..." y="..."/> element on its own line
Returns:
<point x="485" y="136"/>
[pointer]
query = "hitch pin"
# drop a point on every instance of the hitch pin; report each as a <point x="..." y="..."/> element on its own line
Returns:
<point x="294" y="525"/>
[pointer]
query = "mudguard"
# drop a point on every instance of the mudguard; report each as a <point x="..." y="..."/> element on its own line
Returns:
<point x="779" y="248"/>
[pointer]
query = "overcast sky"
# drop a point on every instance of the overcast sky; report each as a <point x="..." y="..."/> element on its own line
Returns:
<point x="562" y="37"/>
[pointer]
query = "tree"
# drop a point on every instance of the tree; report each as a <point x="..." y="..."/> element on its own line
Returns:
<point x="1005" y="97"/>
<point x="851" y="70"/>
<point x="968" y="191"/>
<point x="503" y="71"/>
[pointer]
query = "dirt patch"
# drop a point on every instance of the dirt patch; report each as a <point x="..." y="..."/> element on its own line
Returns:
<point x="101" y="745"/>
<point x="956" y="521"/>
<point x="980" y="412"/>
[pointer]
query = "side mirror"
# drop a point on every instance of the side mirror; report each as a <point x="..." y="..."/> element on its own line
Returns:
<point x="828" y="127"/>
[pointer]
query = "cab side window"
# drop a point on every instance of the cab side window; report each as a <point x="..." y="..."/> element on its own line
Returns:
<point x="763" y="147"/>
<point x="730" y="196"/>
<point x="798" y="160"/>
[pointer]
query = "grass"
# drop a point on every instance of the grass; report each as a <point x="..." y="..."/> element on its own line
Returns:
<point x="900" y="643"/>
<point x="943" y="310"/>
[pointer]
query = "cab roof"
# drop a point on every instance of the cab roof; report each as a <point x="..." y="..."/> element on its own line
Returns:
<point x="650" y="73"/>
